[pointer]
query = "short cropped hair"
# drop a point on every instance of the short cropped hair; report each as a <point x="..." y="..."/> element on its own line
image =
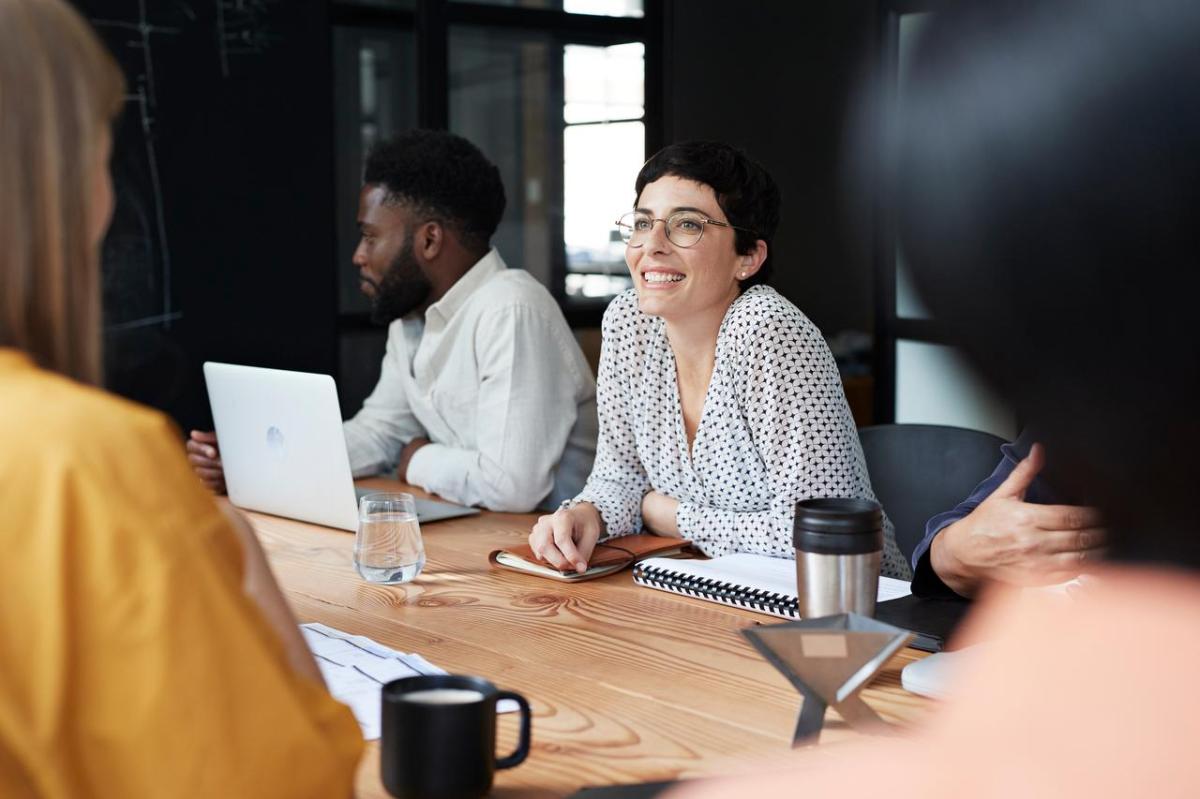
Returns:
<point x="746" y="192"/>
<point x="444" y="177"/>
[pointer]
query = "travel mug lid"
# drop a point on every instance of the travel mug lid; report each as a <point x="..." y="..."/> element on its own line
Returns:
<point x="838" y="526"/>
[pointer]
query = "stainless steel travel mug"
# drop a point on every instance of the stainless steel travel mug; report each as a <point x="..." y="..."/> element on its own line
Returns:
<point x="839" y="543"/>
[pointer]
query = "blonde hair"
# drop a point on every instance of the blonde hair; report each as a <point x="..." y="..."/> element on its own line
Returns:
<point x="59" y="90"/>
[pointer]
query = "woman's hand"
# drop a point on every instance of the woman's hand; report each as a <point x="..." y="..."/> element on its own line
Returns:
<point x="658" y="514"/>
<point x="565" y="539"/>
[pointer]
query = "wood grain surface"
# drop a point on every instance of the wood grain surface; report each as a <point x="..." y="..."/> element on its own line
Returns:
<point x="627" y="684"/>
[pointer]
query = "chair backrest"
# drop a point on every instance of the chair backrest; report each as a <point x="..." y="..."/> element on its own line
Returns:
<point x="920" y="470"/>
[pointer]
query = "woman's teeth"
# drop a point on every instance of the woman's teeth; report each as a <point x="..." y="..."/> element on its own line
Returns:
<point x="661" y="277"/>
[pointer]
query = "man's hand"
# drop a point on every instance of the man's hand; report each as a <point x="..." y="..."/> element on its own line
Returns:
<point x="565" y="539"/>
<point x="406" y="455"/>
<point x="659" y="513"/>
<point x="1010" y="540"/>
<point x="205" y="458"/>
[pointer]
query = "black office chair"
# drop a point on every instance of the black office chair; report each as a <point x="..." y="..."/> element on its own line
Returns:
<point x="919" y="470"/>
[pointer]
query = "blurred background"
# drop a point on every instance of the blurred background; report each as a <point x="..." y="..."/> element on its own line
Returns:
<point x="238" y="162"/>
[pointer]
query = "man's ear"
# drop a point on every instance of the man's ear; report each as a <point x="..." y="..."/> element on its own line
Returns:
<point x="429" y="239"/>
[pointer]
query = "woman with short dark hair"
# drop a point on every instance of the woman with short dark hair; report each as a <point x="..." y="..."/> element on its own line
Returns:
<point x="720" y="404"/>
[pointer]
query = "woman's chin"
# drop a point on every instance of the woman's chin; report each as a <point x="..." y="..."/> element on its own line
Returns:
<point x="651" y="303"/>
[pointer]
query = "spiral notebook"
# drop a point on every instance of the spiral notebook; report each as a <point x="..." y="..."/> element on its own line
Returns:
<point x="753" y="582"/>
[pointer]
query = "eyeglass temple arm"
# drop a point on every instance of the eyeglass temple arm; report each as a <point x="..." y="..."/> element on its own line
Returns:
<point x="735" y="227"/>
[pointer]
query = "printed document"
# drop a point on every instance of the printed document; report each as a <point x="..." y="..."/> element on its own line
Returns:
<point x="356" y="668"/>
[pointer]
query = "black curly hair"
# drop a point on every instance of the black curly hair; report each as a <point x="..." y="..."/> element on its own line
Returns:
<point x="442" y="177"/>
<point x="745" y="191"/>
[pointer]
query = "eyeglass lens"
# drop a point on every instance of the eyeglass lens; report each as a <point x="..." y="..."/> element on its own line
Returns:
<point x="683" y="229"/>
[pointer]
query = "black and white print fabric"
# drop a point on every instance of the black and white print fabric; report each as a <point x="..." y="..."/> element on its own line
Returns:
<point x="775" y="429"/>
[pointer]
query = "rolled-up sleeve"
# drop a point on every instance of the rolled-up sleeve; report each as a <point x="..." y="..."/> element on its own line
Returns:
<point x="527" y="405"/>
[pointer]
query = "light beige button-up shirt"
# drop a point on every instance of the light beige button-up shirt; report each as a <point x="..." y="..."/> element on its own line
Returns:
<point x="495" y="379"/>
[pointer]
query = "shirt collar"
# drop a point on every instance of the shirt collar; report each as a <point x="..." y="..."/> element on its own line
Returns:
<point x="454" y="299"/>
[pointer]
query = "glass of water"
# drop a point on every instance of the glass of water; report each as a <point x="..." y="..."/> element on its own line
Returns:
<point x="388" y="547"/>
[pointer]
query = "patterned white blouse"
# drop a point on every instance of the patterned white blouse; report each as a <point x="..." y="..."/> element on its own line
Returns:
<point x="775" y="429"/>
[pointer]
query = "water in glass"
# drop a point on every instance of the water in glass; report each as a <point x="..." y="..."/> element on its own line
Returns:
<point x="388" y="548"/>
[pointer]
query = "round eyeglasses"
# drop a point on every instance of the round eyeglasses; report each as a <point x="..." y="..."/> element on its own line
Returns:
<point x="684" y="228"/>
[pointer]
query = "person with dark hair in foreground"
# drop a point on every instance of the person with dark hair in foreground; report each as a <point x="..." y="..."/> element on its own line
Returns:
<point x="484" y="397"/>
<point x="720" y="403"/>
<point x="1049" y="179"/>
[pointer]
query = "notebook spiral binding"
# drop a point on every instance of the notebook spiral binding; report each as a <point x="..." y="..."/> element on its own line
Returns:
<point x="717" y="591"/>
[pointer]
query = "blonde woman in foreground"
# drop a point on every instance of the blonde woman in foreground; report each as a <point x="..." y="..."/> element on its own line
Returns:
<point x="144" y="645"/>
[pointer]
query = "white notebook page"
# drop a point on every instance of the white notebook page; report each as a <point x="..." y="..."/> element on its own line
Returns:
<point x="777" y="575"/>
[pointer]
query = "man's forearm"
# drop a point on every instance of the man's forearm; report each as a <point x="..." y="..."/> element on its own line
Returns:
<point x="471" y="477"/>
<point x="406" y="455"/>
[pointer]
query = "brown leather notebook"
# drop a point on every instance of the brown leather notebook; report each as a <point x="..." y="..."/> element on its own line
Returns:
<point x="608" y="557"/>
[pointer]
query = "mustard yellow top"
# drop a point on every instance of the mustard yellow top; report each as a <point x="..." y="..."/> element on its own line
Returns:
<point x="131" y="662"/>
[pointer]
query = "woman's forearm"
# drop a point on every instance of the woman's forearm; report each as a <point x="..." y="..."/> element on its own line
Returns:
<point x="659" y="514"/>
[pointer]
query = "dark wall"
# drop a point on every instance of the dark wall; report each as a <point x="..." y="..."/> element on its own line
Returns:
<point x="225" y="219"/>
<point x="243" y="152"/>
<point x="777" y="78"/>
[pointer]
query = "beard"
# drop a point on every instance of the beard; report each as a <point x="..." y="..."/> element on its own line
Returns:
<point x="402" y="289"/>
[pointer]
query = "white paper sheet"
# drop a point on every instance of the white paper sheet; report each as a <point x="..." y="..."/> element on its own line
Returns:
<point x="355" y="669"/>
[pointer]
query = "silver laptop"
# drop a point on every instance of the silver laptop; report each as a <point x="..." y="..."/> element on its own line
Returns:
<point x="283" y="448"/>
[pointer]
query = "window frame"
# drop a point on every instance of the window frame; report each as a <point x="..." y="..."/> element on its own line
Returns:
<point x="432" y="20"/>
<point x="890" y="328"/>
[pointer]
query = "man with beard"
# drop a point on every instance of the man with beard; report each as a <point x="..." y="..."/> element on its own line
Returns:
<point x="484" y="397"/>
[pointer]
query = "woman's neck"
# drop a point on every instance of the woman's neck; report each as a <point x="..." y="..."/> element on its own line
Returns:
<point x="693" y="338"/>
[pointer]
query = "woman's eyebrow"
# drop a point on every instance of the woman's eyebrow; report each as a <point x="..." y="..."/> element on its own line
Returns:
<point x="675" y="210"/>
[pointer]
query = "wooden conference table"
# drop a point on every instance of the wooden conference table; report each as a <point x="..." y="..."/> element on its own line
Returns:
<point x="627" y="684"/>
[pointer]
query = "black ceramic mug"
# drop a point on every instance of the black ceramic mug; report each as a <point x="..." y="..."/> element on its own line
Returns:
<point x="439" y="736"/>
